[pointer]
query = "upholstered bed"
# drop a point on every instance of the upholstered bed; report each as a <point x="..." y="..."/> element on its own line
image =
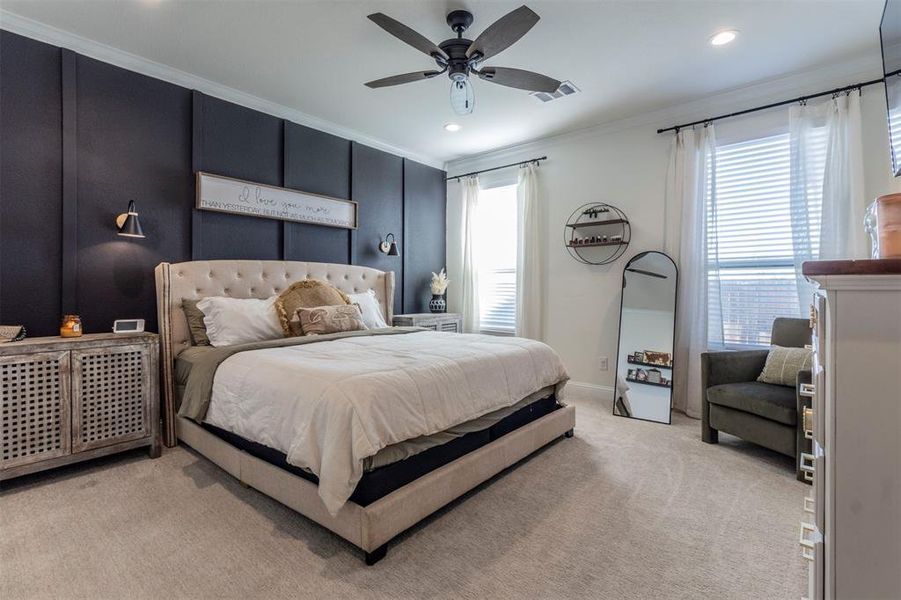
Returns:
<point x="392" y="498"/>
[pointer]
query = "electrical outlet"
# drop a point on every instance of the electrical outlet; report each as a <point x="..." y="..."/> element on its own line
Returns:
<point x="602" y="363"/>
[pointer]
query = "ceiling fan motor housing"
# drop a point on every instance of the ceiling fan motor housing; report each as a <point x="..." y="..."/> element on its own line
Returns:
<point x="457" y="64"/>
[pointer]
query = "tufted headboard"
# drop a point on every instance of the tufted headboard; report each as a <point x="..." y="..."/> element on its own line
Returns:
<point x="176" y="282"/>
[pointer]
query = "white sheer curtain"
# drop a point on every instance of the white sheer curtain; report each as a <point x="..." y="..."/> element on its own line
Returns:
<point x="827" y="189"/>
<point x="470" y="189"/>
<point x="689" y="191"/>
<point x="528" y="256"/>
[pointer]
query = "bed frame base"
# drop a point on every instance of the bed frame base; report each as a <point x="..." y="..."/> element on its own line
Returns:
<point x="371" y="527"/>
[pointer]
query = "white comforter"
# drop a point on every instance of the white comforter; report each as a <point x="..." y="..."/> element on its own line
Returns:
<point x="330" y="405"/>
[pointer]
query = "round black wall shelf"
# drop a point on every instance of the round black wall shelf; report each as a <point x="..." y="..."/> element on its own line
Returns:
<point x="597" y="233"/>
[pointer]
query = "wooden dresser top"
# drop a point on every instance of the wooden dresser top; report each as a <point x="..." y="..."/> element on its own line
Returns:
<point x="88" y="340"/>
<point x="877" y="266"/>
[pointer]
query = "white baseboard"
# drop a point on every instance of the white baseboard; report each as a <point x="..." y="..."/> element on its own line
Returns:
<point x="601" y="392"/>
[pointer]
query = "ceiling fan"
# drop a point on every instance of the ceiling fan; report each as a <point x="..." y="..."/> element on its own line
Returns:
<point x="458" y="57"/>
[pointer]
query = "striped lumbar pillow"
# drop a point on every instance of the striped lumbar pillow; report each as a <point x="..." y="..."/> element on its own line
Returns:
<point x="782" y="365"/>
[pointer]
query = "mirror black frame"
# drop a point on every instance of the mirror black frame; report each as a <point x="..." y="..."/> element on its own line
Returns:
<point x="620" y="333"/>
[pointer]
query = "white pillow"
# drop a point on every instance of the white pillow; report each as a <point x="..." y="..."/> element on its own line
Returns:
<point x="231" y="321"/>
<point x="370" y="308"/>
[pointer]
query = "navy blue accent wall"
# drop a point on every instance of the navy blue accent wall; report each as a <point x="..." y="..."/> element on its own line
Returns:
<point x="244" y="144"/>
<point x="319" y="163"/>
<point x="81" y="138"/>
<point x="424" y="231"/>
<point x="378" y="187"/>
<point x="121" y="158"/>
<point x="30" y="184"/>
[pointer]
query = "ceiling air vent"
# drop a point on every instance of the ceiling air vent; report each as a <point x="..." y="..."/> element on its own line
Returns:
<point x="567" y="88"/>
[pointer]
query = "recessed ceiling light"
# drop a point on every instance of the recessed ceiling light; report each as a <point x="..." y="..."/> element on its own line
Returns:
<point x="452" y="127"/>
<point x="723" y="37"/>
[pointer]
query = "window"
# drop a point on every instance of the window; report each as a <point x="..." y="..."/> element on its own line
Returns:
<point x="495" y="249"/>
<point x="749" y="239"/>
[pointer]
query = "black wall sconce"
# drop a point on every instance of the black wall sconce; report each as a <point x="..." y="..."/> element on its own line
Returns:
<point x="128" y="224"/>
<point x="388" y="248"/>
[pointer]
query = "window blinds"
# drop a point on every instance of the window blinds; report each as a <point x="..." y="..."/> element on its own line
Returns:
<point x="498" y="301"/>
<point x="751" y="249"/>
<point x="496" y="256"/>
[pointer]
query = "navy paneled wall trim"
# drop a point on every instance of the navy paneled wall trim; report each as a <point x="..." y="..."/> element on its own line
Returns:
<point x="81" y="138"/>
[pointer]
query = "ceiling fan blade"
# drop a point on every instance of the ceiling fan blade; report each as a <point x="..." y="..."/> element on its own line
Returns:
<point x="405" y="34"/>
<point x="405" y="78"/>
<point x="520" y="79"/>
<point x="503" y="33"/>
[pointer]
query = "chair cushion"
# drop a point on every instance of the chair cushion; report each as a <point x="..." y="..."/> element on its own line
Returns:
<point x="782" y="365"/>
<point x="774" y="402"/>
<point x="790" y="332"/>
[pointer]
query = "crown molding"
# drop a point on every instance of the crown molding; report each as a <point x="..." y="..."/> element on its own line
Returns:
<point x="860" y="68"/>
<point x="92" y="49"/>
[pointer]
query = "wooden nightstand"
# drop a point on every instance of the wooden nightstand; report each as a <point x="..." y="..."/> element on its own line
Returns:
<point x="452" y="322"/>
<point x="70" y="399"/>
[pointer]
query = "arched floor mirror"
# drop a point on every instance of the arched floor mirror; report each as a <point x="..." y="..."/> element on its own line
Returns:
<point x="647" y="320"/>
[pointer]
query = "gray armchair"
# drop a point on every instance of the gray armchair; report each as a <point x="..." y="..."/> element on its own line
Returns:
<point x="762" y="413"/>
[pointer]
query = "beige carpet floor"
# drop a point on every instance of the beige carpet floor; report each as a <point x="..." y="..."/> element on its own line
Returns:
<point x="625" y="509"/>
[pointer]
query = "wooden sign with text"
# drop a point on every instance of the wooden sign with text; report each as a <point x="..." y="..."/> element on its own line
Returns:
<point x="224" y="194"/>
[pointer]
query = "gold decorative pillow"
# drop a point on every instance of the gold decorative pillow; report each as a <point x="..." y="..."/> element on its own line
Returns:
<point x="328" y="319"/>
<point x="783" y="363"/>
<point x="196" y="326"/>
<point x="309" y="293"/>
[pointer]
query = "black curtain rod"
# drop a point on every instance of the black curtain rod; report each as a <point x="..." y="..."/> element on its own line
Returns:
<point x="846" y="88"/>
<point x="516" y="164"/>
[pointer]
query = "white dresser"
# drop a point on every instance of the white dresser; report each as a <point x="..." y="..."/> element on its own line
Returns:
<point x="851" y="530"/>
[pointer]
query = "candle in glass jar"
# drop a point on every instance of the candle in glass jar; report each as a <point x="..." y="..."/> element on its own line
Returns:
<point x="71" y="326"/>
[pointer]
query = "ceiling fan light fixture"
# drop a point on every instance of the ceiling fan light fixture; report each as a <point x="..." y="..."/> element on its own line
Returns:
<point x="460" y="57"/>
<point x="723" y="37"/>
<point x="462" y="97"/>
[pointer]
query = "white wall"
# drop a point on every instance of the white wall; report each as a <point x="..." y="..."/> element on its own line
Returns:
<point x="624" y="164"/>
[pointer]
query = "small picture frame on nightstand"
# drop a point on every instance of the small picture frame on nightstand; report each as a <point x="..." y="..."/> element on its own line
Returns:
<point x="128" y="325"/>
